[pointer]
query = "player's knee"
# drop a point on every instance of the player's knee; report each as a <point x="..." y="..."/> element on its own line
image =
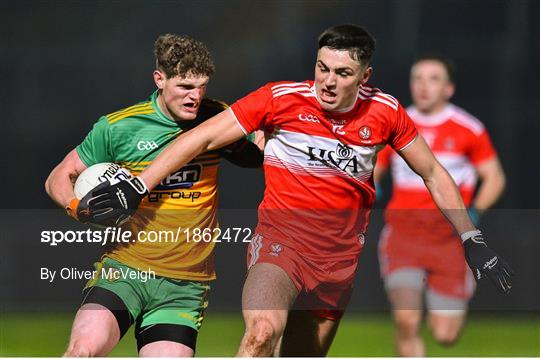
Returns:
<point x="262" y="333"/>
<point x="84" y="347"/>
<point x="445" y="335"/>
<point x="407" y="325"/>
<point x="79" y="348"/>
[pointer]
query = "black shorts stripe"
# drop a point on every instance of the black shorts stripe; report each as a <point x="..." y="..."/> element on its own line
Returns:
<point x="171" y="332"/>
<point x="111" y="301"/>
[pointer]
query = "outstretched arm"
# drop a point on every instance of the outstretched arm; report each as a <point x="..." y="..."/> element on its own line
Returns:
<point x="247" y="152"/>
<point x="212" y="134"/>
<point x="481" y="259"/>
<point x="439" y="183"/>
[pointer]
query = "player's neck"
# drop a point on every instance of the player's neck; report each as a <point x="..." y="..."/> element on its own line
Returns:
<point x="433" y="111"/>
<point x="163" y="108"/>
<point x="165" y="111"/>
<point x="343" y="109"/>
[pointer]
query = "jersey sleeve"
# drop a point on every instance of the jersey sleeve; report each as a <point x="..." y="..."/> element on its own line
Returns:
<point x="403" y="132"/>
<point x="481" y="149"/>
<point x="255" y="110"/>
<point x="96" y="147"/>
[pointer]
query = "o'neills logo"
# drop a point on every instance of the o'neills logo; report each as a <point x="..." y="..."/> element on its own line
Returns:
<point x="365" y="133"/>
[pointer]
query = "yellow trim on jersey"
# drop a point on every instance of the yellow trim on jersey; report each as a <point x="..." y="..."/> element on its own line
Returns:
<point x="134" y="113"/>
<point x="112" y="115"/>
<point x="142" y="111"/>
<point x="217" y="102"/>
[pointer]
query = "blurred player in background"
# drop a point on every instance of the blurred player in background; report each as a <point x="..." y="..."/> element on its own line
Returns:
<point x="167" y="309"/>
<point x="419" y="251"/>
<point x="319" y="161"/>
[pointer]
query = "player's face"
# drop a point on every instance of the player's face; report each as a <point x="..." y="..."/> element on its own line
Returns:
<point x="180" y="97"/>
<point x="430" y="86"/>
<point x="337" y="78"/>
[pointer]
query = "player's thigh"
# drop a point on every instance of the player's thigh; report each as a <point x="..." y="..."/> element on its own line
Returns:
<point x="165" y="348"/>
<point x="95" y="331"/>
<point x="308" y="334"/>
<point x="446" y="311"/>
<point x="103" y="318"/>
<point x="447" y="299"/>
<point x="171" y="320"/>
<point x="268" y="294"/>
<point x="404" y="287"/>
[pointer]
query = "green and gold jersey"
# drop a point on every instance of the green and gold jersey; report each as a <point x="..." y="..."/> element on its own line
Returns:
<point x="185" y="200"/>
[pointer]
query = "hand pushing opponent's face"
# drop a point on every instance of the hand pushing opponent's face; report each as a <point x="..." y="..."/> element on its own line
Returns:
<point x="337" y="78"/>
<point x="180" y="97"/>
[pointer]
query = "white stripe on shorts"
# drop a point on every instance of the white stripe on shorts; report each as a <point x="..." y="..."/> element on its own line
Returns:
<point x="256" y="244"/>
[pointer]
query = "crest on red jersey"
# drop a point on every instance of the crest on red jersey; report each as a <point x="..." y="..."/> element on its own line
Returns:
<point x="275" y="249"/>
<point x="364" y="132"/>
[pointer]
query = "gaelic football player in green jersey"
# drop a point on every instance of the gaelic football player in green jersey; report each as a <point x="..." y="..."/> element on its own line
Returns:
<point x="166" y="307"/>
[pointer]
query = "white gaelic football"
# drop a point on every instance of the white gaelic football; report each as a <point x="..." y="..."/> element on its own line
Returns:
<point x="100" y="172"/>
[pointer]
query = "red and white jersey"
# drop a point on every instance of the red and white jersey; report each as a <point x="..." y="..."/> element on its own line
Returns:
<point x="460" y="142"/>
<point x="319" y="165"/>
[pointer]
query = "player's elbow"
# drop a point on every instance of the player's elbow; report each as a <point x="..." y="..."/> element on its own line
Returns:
<point x="495" y="182"/>
<point x="434" y="175"/>
<point x="54" y="180"/>
<point x="502" y="181"/>
<point x="48" y="184"/>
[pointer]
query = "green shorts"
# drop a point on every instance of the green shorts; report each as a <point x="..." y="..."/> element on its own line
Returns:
<point x="151" y="299"/>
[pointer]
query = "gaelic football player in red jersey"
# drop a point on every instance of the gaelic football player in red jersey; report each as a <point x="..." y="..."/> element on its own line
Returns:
<point x="414" y="257"/>
<point x="319" y="160"/>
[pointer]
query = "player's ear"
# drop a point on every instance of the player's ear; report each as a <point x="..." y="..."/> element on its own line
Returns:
<point x="366" y="75"/>
<point x="159" y="79"/>
<point x="449" y="91"/>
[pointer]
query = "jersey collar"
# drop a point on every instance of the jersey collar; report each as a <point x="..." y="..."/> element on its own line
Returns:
<point x="160" y="113"/>
<point x="431" y="120"/>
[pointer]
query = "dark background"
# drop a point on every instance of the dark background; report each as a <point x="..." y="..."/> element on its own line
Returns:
<point x="65" y="63"/>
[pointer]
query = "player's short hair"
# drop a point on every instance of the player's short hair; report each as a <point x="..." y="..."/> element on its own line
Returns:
<point x="353" y="38"/>
<point x="447" y="63"/>
<point x="179" y="55"/>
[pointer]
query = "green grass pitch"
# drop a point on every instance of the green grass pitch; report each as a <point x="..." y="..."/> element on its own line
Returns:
<point x="360" y="334"/>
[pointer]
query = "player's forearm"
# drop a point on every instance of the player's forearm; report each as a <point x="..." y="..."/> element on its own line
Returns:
<point x="212" y="134"/>
<point x="176" y="155"/>
<point x="447" y="197"/>
<point x="489" y="191"/>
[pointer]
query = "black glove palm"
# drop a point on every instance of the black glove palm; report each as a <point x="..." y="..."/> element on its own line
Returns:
<point x="111" y="205"/>
<point x="483" y="261"/>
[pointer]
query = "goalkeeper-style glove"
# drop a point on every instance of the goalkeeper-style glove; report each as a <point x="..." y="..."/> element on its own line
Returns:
<point x="111" y="205"/>
<point x="483" y="261"/>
